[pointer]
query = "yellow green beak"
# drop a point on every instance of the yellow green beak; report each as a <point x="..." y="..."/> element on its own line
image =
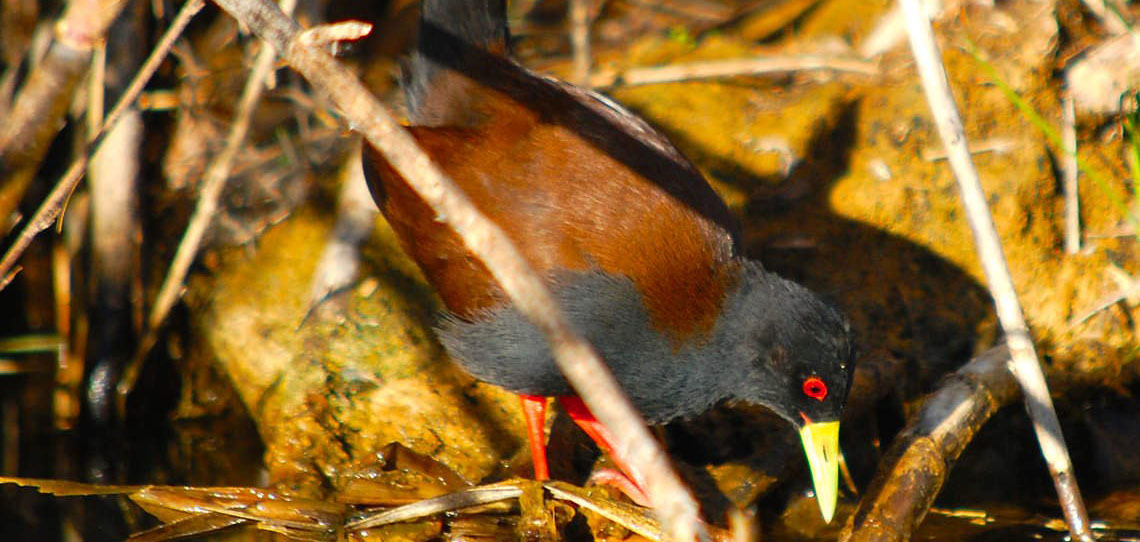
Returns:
<point x="821" y="444"/>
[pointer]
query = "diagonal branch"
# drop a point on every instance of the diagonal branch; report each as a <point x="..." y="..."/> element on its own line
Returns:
<point x="921" y="456"/>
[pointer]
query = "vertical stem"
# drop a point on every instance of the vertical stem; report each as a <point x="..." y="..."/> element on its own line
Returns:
<point x="1024" y="364"/>
<point x="1071" y="171"/>
<point x="580" y="40"/>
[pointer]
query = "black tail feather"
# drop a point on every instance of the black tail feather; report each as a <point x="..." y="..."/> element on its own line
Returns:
<point x="452" y="35"/>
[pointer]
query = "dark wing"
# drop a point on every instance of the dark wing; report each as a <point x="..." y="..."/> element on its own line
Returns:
<point x="576" y="181"/>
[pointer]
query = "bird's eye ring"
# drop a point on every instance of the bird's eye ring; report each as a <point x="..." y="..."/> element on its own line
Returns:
<point x="815" y="388"/>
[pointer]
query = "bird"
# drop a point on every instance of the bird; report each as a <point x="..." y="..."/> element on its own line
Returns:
<point x="639" y="251"/>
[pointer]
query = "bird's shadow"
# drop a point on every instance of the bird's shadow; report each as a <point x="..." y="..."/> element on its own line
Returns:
<point x="899" y="295"/>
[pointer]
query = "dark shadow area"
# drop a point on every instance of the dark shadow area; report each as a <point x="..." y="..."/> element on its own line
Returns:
<point x="899" y="296"/>
<point x="1102" y="429"/>
<point x="918" y="307"/>
<point x="154" y="444"/>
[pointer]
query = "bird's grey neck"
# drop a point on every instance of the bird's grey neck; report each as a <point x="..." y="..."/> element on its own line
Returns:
<point x="664" y="381"/>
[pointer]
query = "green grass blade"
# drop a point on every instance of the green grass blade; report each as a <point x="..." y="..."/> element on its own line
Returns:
<point x="1055" y="138"/>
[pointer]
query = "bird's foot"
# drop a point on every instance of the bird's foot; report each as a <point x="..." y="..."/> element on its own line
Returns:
<point x="618" y="480"/>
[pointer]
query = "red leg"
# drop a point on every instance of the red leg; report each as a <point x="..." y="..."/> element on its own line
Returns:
<point x="534" y="409"/>
<point x="631" y="483"/>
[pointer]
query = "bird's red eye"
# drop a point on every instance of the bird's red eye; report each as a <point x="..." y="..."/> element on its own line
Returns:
<point x="815" y="388"/>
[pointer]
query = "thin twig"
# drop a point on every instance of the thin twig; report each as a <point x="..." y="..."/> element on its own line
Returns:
<point x="53" y="204"/>
<point x="890" y="30"/>
<point x="1025" y="365"/>
<point x="96" y="83"/>
<point x="210" y="194"/>
<point x="996" y="146"/>
<point x="450" y="502"/>
<point x="580" y="40"/>
<point x="1069" y="172"/>
<point x="487" y="242"/>
<point x="355" y="218"/>
<point x="1094" y="174"/>
<point x="7" y="279"/>
<point x="1127" y="288"/>
<point x="68" y="371"/>
<point x="327" y="34"/>
<point x="113" y="180"/>
<point x="623" y="514"/>
<point x="702" y="11"/>
<point x="731" y="68"/>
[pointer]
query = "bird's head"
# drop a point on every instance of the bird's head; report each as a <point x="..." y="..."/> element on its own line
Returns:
<point x="798" y="354"/>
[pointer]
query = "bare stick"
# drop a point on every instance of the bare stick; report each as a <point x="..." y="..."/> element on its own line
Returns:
<point x="355" y="218"/>
<point x="435" y="505"/>
<point x="890" y="30"/>
<point x="1127" y="288"/>
<point x="486" y="241"/>
<point x="209" y="195"/>
<point x="1070" y="172"/>
<point x="113" y="180"/>
<point x="733" y="67"/>
<point x="53" y="204"/>
<point x="1024" y="365"/>
<point x="328" y="34"/>
<point x="580" y="40"/>
<point x="919" y="460"/>
<point x="45" y="96"/>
